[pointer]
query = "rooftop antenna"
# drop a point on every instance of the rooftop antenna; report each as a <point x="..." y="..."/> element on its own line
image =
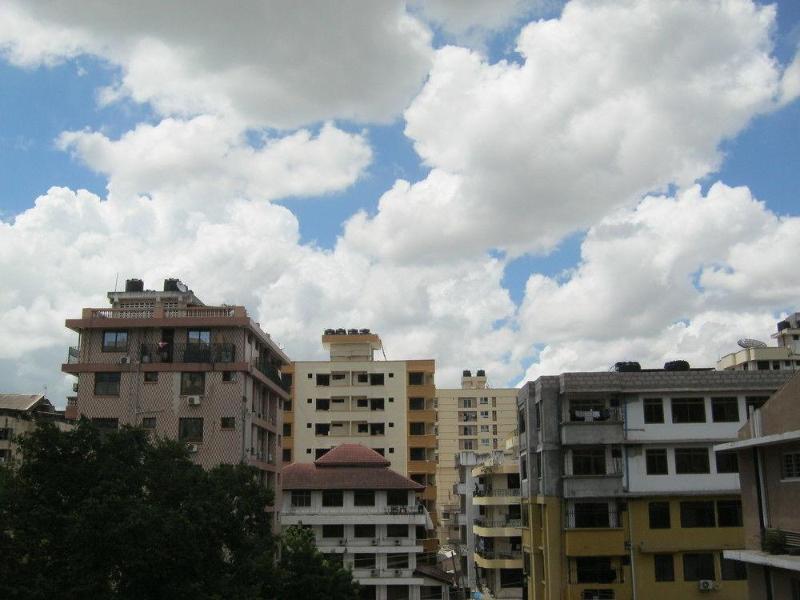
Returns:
<point x="116" y="280"/>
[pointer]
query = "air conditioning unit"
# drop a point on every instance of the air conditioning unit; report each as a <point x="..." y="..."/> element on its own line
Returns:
<point x="375" y="572"/>
<point x="192" y="448"/>
<point x="342" y="542"/>
<point x="375" y="542"/>
<point x="124" y="360"/>
<point x="194" y="400"/>
<point x="397" y="542"/>
<point x="705" y="585"/>
<point x="398" y="572"/>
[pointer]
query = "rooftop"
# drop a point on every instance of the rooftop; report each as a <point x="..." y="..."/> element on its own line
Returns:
<point x="23" y="402"/>
<point x="352" y="455"/>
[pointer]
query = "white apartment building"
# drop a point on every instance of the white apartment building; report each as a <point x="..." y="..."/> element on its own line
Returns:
<point x="365" y="515"/>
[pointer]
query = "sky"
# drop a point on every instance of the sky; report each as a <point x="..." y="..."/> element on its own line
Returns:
<point x="527" y="187"/>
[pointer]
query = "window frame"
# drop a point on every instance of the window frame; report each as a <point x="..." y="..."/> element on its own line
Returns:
<point x="698" y="514"/>
<point x="113" y="379"/>
<point x="663" y="573"/>
<point x="692" y="455"/>
<point x="189" y="388"/>
<point x="720" y="407"/>
<point x="116" y="346"/>
<point x="185" y="434"/>
<point x="656" y="454"/>
<point x="687" y="569"/>
<point x="687" y="404"/>
<point x="726" y="454"/>
<point x="656" y="513"/>
<point x="653" y="403"/>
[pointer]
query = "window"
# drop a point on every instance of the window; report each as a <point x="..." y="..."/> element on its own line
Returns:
<point x="698" y="566"/>
<point x="510" y="578"/>
<point x="657" y="462"/>
<point x="287" y="405"/>
<point x="323" y="379"/>
<point x="653" y="410"/>
<point x="332" y="498"/>
<point x="589" y="461"/>
<point x="193" y="383"/>
<point x="397" y="531"/>
<point x="115" y="341"/>
<point x="416" y="403"/>
<point x="287" y="455"/>
<point x="484" y="429"/>
<point x="397" y="561"/>
<point x="323" y="404"/>
<point x="363" y="498"/>
<point x="227" y="422"/>
<point x="362" y="427"/>
<point x="523" y="466"/>
<point x="333" y="531"/>
<point x="228" y="376"/>
<point x="301" y="498"/>
<point x="664" y="567"/>
<point x="691" y="461"/>
<point x="484" y="414"/>
<point x="416" y="453"/>
<point x="199" y="337"/>
<point x="105" y="424"/>
<point x="364" y="531"/>
<point x="320" y="452"/>
<point x="688" y="410"/>
<point x="725" y="410"/>
<point x="539" y="465"/>
<point x="416" y="428"/>
<point x="485" y="442"/>
<point x="151" y="376"/>
<point x="537" y="416"/>
<point x="190" y="429"/>
<point x="416" y="378"/>
<point x="591" y="514"/>
<point x="697" y="513"/>
<point x="376" y="404"/>
<point x="659" y="515"/>
<point x="149" y="422"/>
<point x="729" y="513"/>
<point x="732" y="570"/>
<point x="287" y="430"/>
<point x="106" y="384"/>
<point x="397" y="498"/>
<point x="339" y="377"/>
<point x="727" y="461"/>
<point x="790" y="466"/>
<point x="376" y="378"/>
<point x="376" y="429"/>
<point x="595" y="569"/>
<point x="362" y="403"/>
<point x="364" y="561"/>
<point x="484" y="401"/>
<point x="322" y="428"/>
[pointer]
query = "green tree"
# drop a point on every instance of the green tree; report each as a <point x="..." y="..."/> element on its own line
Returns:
<point x="121" y="516"/>
<point x="305" y="573"/>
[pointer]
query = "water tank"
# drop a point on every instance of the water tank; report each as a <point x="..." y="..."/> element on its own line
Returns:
<point x="676" y="365"/>
<point x="330" y="331"/>
<point x="784" y="325"/>
<point x="134" y="285"/>
<point x="627" y="367"/>
<point x="171" y="285"/>
<point x="341" y="331"/>
<point x="364" y="331"/>
<point x="352" y="332"/>
<point x="466" y="373"/>
<point x="480" y="373"/>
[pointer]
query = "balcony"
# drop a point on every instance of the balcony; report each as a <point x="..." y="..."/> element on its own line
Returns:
<point x="591" y="427"/>
<point x="427" y="440"/>
<point x="496" y="496"/>
<point x="489" y="559"/>
<point x="188" y="353"/>
<point x="272" y="373"/>
<point x="594" y="542"/>
<point x="403" y="574"/>
<point x="594" y="484"/>
<point x="497" y="527"/>
<point x="422" y="466"/>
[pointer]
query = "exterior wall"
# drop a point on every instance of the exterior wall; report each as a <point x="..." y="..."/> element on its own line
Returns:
<point x="15" y="424"/>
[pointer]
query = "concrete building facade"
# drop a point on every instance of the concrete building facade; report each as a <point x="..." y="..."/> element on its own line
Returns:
<point x="624" y="496"/>
<point x="365" y="516"/>
<point x="21" y="414"/>
<point x="768" y="450"/>
<point x="475" y="418"/>
<point x="758" y="356"/>
<point x="206" y="375"/>
<point x="387" y="406"/>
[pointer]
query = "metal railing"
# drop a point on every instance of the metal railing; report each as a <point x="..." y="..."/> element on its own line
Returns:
<point x="169" y="313"/>
<point x="418" y="509"/>
<point x="122" y="313"/>
<point x="484" y="522"/>
<point x="188" y="353"/>
<point x="199" y="311"/>
<point x="499" y="555"/>
<point x="496" y="493"/>
<point x="592" y="519"/>
<point x="611" y="415"/>
<point x="610" y="468"/>
<point x="382" y="573"/>
<point x="272" y="373"/>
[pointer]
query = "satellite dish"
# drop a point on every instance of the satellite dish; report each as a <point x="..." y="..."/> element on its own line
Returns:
<point x="749" y="343"/>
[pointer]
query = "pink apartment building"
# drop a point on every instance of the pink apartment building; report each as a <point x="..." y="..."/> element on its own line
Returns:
<point x="206" y="375"/>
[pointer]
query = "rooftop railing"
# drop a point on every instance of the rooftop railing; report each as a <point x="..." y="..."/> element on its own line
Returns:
<point x="496" y="493"/>
<point x="168" y="313"/>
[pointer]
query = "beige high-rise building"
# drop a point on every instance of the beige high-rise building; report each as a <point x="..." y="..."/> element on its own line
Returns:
<point x="473" y="417"/>
<point x="386" y="405"/>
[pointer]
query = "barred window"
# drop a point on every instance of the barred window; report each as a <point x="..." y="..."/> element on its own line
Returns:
<point x="791" y="465"/>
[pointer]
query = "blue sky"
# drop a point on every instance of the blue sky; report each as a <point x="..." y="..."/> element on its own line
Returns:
<point x="42" y="97"/>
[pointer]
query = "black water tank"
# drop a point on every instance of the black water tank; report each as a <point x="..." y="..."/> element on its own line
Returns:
<point x="364" y="331"/>
<point x="627" y="367"/>
<point x="134" y="285"/>
<point x="352" y="332"/>
<point x="466" y="373"/>
<point x="330" y="331"/>
<point x="784" y="325"/>
<point x="171" y="285"/>
<point x="480" y="373"/>
<point x="341" y="331"/>
<point x="676" y="365"/>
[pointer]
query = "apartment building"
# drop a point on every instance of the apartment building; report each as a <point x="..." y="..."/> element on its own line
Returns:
<point x="768" y="450"/>
<point x="365" y="516"/>
<point x="206" y="375"/>
<point x="385" y="405"/>
<point x="624" y="496"/>
<point x="472" y="417"/>
<point x="21" y="414"/>
<point x="756" y="355"/>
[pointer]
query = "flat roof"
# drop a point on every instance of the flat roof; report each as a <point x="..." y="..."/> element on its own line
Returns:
<point x="763" y="440"/>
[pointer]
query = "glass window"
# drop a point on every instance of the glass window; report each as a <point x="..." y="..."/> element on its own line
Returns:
<point x="691" y="461"/>
<point x="417" y="453"/>
<point x="198" y="336"/>
<point x="659" y="515"/>
<point x="151" y="376"/>
<point x="688" y="410"/>
<point x="364" y="531"/>
<point x="657" y="462"/>
<point x="397" y="497"/>
<point x="322" y="428"/>
<point x="510" y="578"/>
<point x="227" y="422"/>
<point x="301" y="498"/>
<point x="287" y="455"/>
<point x="287" y="430"/>
<point x="287" y="405"/>
<point x="697" y="566"/>
<point x="332" y="498"/>
<point x="697" y="513"/>
<point x="595" y="569"/>
<point x="323" y="379"/>
<point x="364" y="498"/>
<point x="323" y="404"/>
<point x="729" y="513"/>
<point x="416" y="378"/>
<point x="376" y="404"/>
<point x="193" y="383"/>
<point x="732" y="570"/>
<point x="591" y="514"/>
<point x="790" y="466"/>
<point x="725" y="410"/>
<point x="228" y="376"/>
<point x="333" y="531"/>
<point x="149" y="422"/>
<point x="364" y="561"/>
<point x="664" y="566"/>
<point x="190" y="429"/>
<point x="397" y="560"/>
<point x="589" y="461"/>
<point x="416" y="403"/>
<point x="397" y="531"/>
<point x="115" y="341"/>
<point x="727" y="461"/>
<point x="416" y="428"/>
<point x="653" y="410"/>
<point x="376" y="379"/>
<point x="106" y="384"/>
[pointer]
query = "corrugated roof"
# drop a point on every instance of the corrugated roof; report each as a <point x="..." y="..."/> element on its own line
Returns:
<point x="19" y="401"/>
<point x="352" y="455"/>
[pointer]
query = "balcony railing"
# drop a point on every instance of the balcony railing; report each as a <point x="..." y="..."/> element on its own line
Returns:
<point x="612" y="415"/>
<point x="780" y="541"/>
<point x="418" y="509"/>
<point x="612" y="468"/>
<point x="499" y="493"/>
<point x="169" y="313"/>
<point x="73" y="355"/>
<point x="188" y="353"/>
<point x="499" y="555"/>
<point x="272" y="373"/>
<point x="363" y="542"/>
<point x="483" y="522"/>
<point x="382" y="573"/>
<point x="597" y="519"/>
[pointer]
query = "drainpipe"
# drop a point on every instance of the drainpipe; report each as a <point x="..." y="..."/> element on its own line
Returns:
<point x="631" y="549"/>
